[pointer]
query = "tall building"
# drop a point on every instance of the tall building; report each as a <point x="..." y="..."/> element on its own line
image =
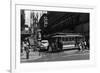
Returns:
<point x="22" y="20"/>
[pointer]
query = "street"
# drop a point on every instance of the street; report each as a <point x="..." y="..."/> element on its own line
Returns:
<point x="68" y="55"/>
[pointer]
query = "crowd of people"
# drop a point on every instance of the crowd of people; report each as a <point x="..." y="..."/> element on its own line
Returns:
<point x="82" y="45"/>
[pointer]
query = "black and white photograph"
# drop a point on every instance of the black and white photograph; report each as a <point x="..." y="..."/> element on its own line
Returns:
<point x="50" y="36"/>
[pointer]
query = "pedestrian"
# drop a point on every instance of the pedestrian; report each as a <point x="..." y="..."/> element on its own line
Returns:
<point x="26" y="45"/>
<point x="21" y="47"/>
<point x="85" y="45"/>
<point x="76" y="43"/>
<point x="80" y="46"/>
<point x="60" y="45"/>
<point x="56" y="45"/>
<point x="53" y="46"/>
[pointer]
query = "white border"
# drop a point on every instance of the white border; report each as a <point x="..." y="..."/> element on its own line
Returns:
<point x="15" y="40"/>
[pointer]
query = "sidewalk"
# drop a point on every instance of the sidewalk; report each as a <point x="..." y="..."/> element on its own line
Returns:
<point x="32" y="56"/>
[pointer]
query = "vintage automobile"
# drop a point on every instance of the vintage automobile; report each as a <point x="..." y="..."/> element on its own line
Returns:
<point x="44" y="45"/>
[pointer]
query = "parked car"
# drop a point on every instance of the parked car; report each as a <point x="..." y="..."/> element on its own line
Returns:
<point x="44" y="44"/>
